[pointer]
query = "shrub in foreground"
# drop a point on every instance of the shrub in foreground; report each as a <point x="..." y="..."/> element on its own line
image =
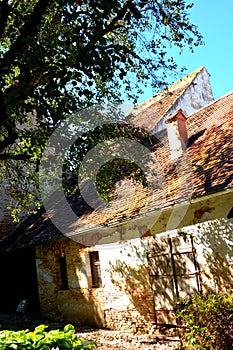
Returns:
<point x="40" y="339"/>
<point x="209" y="321"/>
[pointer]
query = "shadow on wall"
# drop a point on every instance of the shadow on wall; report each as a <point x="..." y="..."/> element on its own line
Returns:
<point x="174" y="272"/>
<point x="131" y="276"/>
<point x="216" y="240"/>
<point x="65" y="288"/>
<point x="164" y="269"/>
<point x="180" y="263"/>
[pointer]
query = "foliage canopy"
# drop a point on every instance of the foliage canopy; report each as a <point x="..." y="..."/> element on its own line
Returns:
<point x="60" y="56"/>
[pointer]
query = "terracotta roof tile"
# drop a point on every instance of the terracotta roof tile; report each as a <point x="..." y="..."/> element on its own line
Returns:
<point x="206" y="167"/>
<point x="149" y="113"/>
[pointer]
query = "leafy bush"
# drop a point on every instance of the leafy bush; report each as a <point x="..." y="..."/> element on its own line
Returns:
<point x="209" y="321"/>
<point x="40" y="339"/>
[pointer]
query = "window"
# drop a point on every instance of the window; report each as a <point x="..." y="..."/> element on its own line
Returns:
<point x="63" y="272"/>
<point x="95" y="269"/>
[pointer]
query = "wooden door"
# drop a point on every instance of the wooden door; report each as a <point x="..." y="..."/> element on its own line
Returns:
<point x="174" y="273"/>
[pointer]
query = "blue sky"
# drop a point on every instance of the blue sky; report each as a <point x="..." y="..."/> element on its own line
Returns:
<point x="214" y="19"/>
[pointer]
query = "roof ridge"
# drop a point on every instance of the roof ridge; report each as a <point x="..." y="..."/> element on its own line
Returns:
<point x="186" y="80"/>
<point x="189" y="77"/>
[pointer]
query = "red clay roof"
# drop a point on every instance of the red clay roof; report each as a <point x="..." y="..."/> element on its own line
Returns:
<point x="149" y="113"/>
<point x="205" y="168"/>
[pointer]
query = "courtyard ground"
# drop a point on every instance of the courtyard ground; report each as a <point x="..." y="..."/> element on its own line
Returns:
<point x="116" y="340"/>
<point x="161" y="339"/>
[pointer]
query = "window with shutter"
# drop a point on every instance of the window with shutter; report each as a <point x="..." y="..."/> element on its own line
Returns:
<point x="63" y="273"/>
<point x="95" y="269"/>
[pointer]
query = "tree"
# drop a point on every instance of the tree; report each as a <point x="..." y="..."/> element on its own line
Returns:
<point x="60" y="56"/>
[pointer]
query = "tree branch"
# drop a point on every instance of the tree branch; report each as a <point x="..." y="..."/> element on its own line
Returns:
<point x="10" y="139"/>
<point x="7" y="124"/>
<point x="112" y="25"/>
<point x="4" y="13"/>
<point x="23" y="39"/>
<point x="10" y="156"/>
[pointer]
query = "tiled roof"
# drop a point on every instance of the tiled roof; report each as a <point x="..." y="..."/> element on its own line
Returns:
<point x="149" y="113"/>
<point x="211" y="153"/>
<point x="206" y="167"/>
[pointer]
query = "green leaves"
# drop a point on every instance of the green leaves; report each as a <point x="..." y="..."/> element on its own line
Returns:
<point x="207" y="317"/>
<point x="40" y="339"/>
<point x="60" y="56"/>
<point x="82" y="45"/>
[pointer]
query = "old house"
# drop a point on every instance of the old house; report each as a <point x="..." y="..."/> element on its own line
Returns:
<point x="123" y="269"/>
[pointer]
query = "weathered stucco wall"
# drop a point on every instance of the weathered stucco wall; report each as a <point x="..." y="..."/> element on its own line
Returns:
<point x="127" y="287"/>
<point x="196" y="96"/>
<point x="76" y="304"/>
<point x="189" y="212"/>
<point x="197" y="258"/>
<point x="126" y="299"/>
<point x="214" y="244"/>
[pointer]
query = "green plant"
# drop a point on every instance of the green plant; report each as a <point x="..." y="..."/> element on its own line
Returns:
<point x="40" y="339"/>
<point x="208" y="321"/>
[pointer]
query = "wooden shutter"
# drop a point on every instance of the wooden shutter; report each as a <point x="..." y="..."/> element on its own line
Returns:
<point x="95" y="269"/>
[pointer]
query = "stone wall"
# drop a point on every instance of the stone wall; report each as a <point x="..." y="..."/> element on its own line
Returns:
<point x="77" y="303"/>
<point x="124" y="301"/>
<point x="129" y="299"/>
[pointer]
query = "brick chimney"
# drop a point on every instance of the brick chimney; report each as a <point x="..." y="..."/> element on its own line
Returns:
<point x="177" y="133"/>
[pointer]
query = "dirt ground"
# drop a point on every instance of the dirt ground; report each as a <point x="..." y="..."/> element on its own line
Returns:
<point x="161" y="339"/>
<point x="116" y="340"/>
